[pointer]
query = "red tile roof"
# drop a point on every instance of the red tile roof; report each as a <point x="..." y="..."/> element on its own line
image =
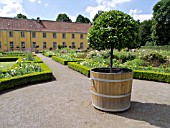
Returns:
<point x="42" y="25"/>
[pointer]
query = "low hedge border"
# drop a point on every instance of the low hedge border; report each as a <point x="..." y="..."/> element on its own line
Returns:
<point x="150" y="75"/>
<point x="82" y="69"/>
<point x="63" y="61"/>
<point x="137" y="74"/>
<point x="48" y="55"/>
<point x="45" y="75"/>
<point x="7" y="59"/>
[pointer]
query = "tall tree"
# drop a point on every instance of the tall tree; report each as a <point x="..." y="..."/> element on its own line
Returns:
<point x="114" y="29"/>
<point x="145" y="32"/>
<point x="63" y="17"/>
<point x="21" y="16"/>
<point x="82" y="19"/>
<point x="97" y="15"/>
<point x="161" y="22"/>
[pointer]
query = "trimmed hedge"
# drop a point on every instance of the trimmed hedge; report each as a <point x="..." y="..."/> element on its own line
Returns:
<point x="8" y="59"/>
<point x="137" y="74"/>
<point x="150" y="75"/>
<point x="35" y="77"/>
<point x="48" y="55"/>
<point x="63" y="61"/>
<point x="82" y="69"/>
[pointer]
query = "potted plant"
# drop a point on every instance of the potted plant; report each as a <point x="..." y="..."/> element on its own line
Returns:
<point x="111" y="87"/>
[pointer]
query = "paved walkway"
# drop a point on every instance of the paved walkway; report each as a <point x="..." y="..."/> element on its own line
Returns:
<point x="66" y="103"/>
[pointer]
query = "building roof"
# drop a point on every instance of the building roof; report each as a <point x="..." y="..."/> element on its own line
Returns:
<point x="42" y="25"/>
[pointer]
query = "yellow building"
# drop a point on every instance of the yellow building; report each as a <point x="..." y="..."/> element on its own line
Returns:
<point x="23" y="33"/>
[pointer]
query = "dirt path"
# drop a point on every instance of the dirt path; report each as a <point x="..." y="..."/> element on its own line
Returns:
<point x="66" y="103"/>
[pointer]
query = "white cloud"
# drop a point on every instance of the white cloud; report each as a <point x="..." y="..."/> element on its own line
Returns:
<point x="137" y="15"/>
<point x="103" y="5"/>
<point x="39" y="1"/>
<point x="11" y="8"/>
<point x="46" y="4"/>
<point x="33" y="1"/>
<point x="73" y="18"/>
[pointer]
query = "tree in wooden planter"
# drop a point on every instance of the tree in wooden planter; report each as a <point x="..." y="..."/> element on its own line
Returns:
<point x="111" y="87"/>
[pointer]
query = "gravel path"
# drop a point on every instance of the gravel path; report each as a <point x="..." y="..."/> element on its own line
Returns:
<point x="66" y="103"/>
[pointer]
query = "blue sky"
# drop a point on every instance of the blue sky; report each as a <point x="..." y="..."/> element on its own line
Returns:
<point x="49" y="9"/>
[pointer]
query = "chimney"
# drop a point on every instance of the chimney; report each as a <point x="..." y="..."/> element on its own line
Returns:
<point x="38" y="19"/>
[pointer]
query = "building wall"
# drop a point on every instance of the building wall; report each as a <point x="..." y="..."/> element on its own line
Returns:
<point x="5" y="39"/>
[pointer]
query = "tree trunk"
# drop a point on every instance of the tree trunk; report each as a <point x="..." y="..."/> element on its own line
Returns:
<point x="111" y="59"/>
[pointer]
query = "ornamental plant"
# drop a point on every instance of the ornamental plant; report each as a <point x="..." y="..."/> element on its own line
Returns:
<point x="113" y="29"/>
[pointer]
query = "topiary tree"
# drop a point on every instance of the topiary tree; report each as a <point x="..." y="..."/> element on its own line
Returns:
<point x="114" y="29"/>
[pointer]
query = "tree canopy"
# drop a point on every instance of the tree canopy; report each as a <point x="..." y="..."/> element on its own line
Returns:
<point x="21" y="16"/>
<point x="97" y="15"/>
<point x="161" y="23"/>
<point x="145" y="32"/>
<point x="63" y="17"/>
<point x="114" y="29"/>
<point x="82" y="19"/>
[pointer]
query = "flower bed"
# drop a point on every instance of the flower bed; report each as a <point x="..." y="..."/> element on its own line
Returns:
<point x="28" y="69"/>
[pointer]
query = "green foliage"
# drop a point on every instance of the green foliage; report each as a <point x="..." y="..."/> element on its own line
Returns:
<point x="34" y="77"/>
<point x="29" y="56"/>
<point x="21" y="16"/>
<point x="82" y="69"/>
<point x="97" y="15"/>
<point x="150" y="75"/>
<point x="161" y="23"/>
<point x="6" y="65"/>
<point x="114" y="28"/>
<point x="145" y="32"/>
<point x="82" y="19"/>
<point x="64" y="61"/>
<point x="165" y="47"/>
<point x="63" y="17"/>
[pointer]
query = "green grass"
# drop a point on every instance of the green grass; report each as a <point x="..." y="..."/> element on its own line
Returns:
<point x="6" y="65"/>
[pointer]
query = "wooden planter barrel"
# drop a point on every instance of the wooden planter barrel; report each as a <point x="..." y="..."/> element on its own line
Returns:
<point x="111" y="91"/>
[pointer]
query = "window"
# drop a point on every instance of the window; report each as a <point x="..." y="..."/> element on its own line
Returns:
<point x="81" y="36"/>
<point x="44" y="45"/>
<point x="54" y="45"/>
<point x="0" y="45"/>
<point x="33" y="34"/>
<point x="73" y="36"/>
<point x="11" y="44"/>
<point x="64" y="36"/>
<point x="44" y="34"/>
<point x="10" y="34"/>
<point x="22" y="44"/>
<point x="73" y="45"/>
<point x="22" y="34"/>
<point x="54" y="35"/>
<point x="64" y="44"/>
<point x="33" y="44"/>
<point x="81" y="45"/>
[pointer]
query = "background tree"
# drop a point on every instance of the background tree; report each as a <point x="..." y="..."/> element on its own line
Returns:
<point x="161" y="22"/>
<point x="82" y="19"/>
<point x="21" y="16"/>
<point x="63" y="17"/>
<point x="145" y="32"/>
<point x="113" y="29"/>
<point x="97" y="15"/>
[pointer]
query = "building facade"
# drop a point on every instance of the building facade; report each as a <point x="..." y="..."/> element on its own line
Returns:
<point x="28" y="33"/>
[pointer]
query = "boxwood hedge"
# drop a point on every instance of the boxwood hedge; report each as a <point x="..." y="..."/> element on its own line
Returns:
<point x="35" y="77"/>
<point x="138" y="74"/>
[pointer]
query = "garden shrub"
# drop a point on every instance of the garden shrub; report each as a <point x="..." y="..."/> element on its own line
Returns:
<point x="82" y="69"/>
<point x="34" y="77"/>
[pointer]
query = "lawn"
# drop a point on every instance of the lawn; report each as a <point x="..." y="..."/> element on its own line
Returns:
<point x="6" y="65"/>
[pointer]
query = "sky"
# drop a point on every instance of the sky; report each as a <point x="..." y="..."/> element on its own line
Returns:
<point x="49" y="9"/>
